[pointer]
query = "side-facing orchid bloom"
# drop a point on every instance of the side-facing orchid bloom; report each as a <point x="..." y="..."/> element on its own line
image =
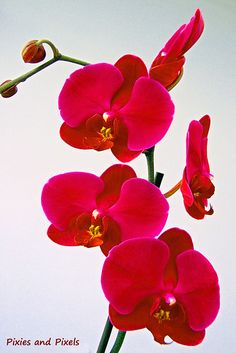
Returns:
<point x="196" y="185"/>
<point x="167" y="66"/>
<point x="102" y="211"/>
<point x="104" y="109"/>
<point x="163" y="285"/>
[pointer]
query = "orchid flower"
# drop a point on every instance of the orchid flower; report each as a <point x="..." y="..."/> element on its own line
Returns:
<point x="196" y="186"/>
<point x="163" y="285"/>
<point x="102" y="211"/>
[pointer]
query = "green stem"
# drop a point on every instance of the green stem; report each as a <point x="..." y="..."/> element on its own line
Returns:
<point x="118" y="342"/>
<point x="150" y="164"/>
<point x="52" y="46"/>
<point x="28" y="74"/>
<point x="105" y="337"/>
<point x="73" y="60"/>
<point x="24" y="77"/>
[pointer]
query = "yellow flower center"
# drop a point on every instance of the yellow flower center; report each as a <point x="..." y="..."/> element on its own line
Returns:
<point x="162" y="314"/>
<point x="164" y="311"/>
<point x="94" y="231"/>
<point x="106" y="133"/>
<point x="196" y="194"/>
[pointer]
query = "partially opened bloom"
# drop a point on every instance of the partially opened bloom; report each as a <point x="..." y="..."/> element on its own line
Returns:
<point x="161" y="284"/>
<point x="196" y="185"/>
<point x="167" y="66"/>
<point x="102" y="211"/>
<point x="115" y="107"/>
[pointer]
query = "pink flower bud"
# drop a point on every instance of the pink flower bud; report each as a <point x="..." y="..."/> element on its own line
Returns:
<point x="8" y="92"/>
<point x="32" y="52"/>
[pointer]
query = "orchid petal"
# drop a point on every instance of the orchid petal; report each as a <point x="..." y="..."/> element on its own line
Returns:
<point x="111" y="235"/>
<point x="120" y="148"/>
<point x="68" y="195"/>
<point x="197" y="289"/>
<point x="194" y="30"/>
<point x="178" y="332"/>
<point x="66" y="237"/>
<point x="186" y="191"/>
<point x="148" y="114"/>
<point x="141" y="210"/>
<point x="205" y="122"/>
<point x="133" y="271"/>
<point x="131" y="67"/>
<point x="113" y="179"/>
<point x="74" y="136"/>
<point x="183" y="334"/>
<point x="136" y="320"/>
<point x="88" y="91"/>
<point x="167" y="73"/>
<point x="194" y="149"/>
<point x="178" y="241"/>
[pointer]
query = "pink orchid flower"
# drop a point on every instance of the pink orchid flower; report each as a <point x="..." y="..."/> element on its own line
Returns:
<point x="120" y="107"/>
<point x="197" y="186"/>
<point x="167" y="66"/>
<point x="103" y="109"/>
<point x="163" y="285"/>
<point x="102" y="211"/>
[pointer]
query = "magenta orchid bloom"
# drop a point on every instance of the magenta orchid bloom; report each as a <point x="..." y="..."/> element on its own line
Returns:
<point x="196" y="185"/>
<point x="123" y="107"/>
<point x="114" y="107"/>
<point x="167" y="66"/>
<point x="163" y="285"/>
<point x="91" y="211"/>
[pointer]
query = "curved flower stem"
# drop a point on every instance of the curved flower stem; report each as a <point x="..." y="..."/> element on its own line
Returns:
<point x="52" y="46"/>
<point x="173" y="190"/>
<point x="150" y="164"/>
<point x="73" y="60"/>
<point x="105" y="337"/>
<point x="24" y="77"/>
<point x="118" y="342"/>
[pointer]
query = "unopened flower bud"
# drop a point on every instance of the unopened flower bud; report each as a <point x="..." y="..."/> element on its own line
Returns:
<point x="32" y="52"/>
<point x="8" y="92"/>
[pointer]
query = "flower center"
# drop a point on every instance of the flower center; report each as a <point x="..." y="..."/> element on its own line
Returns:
<point x="106" y="133"/>
<point x="196" y="194"/>
<point x="88" y="229"/>
<point x="162" y="314"/>
<point x="94" y="231"/>
<point x="163" y="311"/>
<point x="202" y="189"/>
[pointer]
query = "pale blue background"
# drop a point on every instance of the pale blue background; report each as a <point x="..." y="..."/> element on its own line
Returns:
<point x="52" y="291"/>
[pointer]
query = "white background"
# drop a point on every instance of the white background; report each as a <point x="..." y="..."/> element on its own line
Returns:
<point x="52" y="291"/>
